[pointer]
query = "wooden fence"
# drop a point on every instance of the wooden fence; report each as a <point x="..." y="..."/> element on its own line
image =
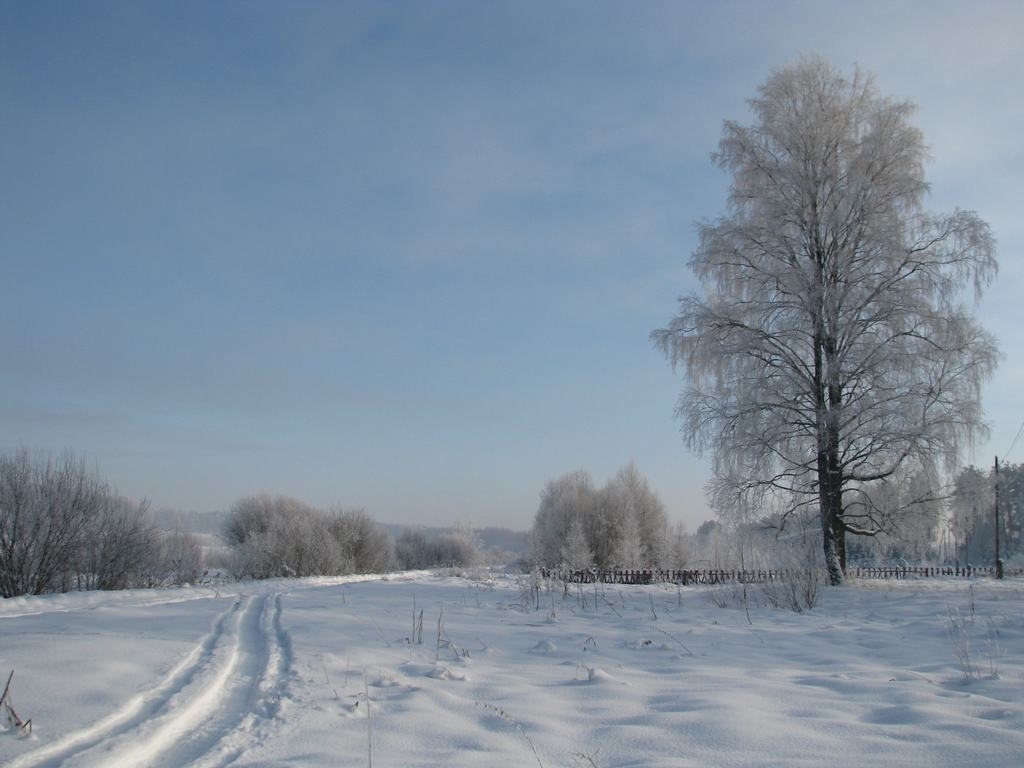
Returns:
<point x="761" y="576"/>
<point x="925" y="571"/>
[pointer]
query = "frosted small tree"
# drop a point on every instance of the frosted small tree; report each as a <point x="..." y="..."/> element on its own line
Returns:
<point x="971" y="509"/>
<point x="604" y="525"/>
<point x="677" y="548"/>
<point x="575" y="550"/>
<point x="644" y="506"/>
<point x="628" y="527"/>
<point x="629" y="549"/>
<point x="569" y="499"/>
<point x="834" y="343"/>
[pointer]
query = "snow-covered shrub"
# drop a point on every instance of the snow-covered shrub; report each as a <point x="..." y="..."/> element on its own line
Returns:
<point x="364" y="545"/>
<point x="414" y="551"/>
<point x="275" y="536"/>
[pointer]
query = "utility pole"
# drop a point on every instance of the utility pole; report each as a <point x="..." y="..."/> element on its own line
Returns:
<point x="999" y="561"/>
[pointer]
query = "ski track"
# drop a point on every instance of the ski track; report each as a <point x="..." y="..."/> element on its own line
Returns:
<point x="218" y="702"/>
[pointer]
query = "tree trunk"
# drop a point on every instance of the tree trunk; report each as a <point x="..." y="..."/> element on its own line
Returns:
<point x="828" y="397"/>
<point x="832" y="529"/>
<point x="837" y="566"/>
<point x="834" y="501"/>
<point x="830" y="497"/>
<point x="832" y="560"/>
<point x="841" y="544"/>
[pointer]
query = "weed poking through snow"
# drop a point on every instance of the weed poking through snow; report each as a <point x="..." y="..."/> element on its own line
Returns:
<point x="11" y="718"/>
<point x="515" y="723"/>
<point x="959" y="632"/>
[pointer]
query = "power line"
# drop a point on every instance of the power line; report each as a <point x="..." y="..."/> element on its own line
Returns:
<point x="1014" y="443"/>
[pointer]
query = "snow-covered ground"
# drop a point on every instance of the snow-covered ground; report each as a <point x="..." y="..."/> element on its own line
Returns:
<point x="277" y="673"/>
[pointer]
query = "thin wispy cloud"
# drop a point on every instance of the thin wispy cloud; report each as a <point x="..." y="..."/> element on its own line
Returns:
<point x="335" y="249"/>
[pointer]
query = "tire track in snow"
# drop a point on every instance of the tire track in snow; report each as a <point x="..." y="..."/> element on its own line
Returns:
<point x="211" y="707"/>
<point x="137" y="710"/>
<point x="255" y="726"/>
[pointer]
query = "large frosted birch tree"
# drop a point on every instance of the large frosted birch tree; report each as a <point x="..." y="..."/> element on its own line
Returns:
<point x="833" y="349"/>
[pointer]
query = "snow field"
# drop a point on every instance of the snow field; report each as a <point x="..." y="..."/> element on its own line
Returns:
<point x="276" y="673"/>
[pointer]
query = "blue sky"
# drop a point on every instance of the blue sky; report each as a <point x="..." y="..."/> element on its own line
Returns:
<point x="406" y="256"/>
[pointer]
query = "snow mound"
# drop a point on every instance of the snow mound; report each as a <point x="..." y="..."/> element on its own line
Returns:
<point x="595" y="675"/>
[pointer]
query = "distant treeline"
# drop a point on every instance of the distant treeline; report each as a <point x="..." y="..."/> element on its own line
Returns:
<point x="63" y="528"/>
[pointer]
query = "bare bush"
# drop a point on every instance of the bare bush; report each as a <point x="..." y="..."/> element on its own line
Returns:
<point x="796" y="556"/>
<point x="45" y="504"/>
<point x="119" y="547"/>
<point x="181" y="557"/>
<point x="62" y="527"/>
